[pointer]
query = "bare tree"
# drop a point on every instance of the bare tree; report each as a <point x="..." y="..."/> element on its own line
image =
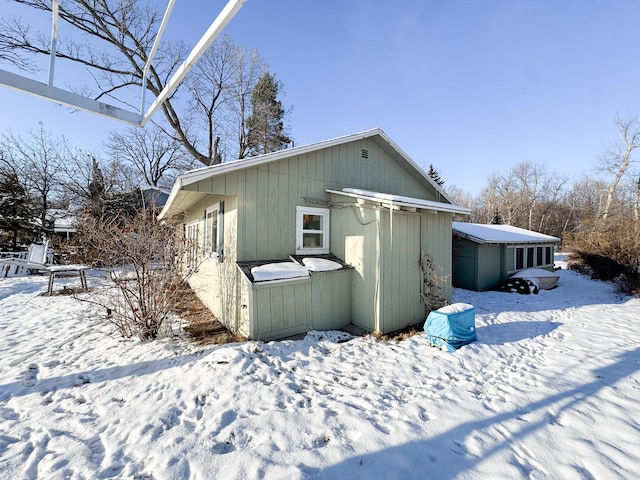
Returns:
<point x="37" y="158"/>
<point x="78" y="174"/>
<point x="112" y="40"/>
<point x="616" y="161"/>
<point x="156" y="159"/>
<point x="219" y="88"/>
<point x="525" y="196"/>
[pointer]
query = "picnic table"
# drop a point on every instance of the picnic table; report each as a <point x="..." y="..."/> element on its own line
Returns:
<point x="79" y="270"/>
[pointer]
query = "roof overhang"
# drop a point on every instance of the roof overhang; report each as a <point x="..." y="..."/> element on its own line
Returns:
<point x="175" y="204"/>
<point x="501" y="235"/>
<point x="398" y="201"/>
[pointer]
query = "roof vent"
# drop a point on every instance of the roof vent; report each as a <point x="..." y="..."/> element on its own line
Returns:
<point x="365" y="153"/>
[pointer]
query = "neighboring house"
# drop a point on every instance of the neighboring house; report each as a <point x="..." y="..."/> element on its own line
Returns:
<point x="155" y="197"/>
<point x="315" y="237"/>
<point x="62" y="224"/>
<point x="485" y="256"/>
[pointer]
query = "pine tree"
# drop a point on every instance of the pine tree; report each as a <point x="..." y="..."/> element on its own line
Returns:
<point x="266" y="132"/>
<point x="497" y="218"/>
<point x="17" y="210"/>
<point x="435" y="175"/>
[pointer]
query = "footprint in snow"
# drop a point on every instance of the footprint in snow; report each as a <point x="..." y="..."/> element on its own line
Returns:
<point x="30" y="376"/>
<point x="457" y="447"/>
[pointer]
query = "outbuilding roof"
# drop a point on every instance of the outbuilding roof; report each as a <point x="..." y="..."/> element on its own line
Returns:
<point x="495" y="234"/>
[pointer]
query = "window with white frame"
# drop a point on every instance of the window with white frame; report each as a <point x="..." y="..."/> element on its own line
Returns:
<point x="213" y="234"/>
<point x="312" y="230"/>
<point x="533" y="256"/>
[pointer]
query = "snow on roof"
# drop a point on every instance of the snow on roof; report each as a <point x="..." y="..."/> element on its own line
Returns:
<point x="483" y="234"/>
<point x="400" y="201"/>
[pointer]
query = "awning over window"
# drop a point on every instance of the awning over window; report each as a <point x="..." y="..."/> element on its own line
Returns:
<point x="391" y="201"/>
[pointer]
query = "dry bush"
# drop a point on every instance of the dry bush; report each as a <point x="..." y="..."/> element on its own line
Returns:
<point x="608" y="252"/>
<point x="142" y="258"/>
<point x="432" y="284"/>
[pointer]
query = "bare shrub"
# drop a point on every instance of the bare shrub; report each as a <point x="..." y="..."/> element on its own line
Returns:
<point x="432" y="284"/>
<point x="141" y="256"/>
<point x="608" y="252"/>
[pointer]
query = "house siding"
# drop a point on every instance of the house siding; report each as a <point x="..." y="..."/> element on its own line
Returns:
<point x="387" y="277"/>
<point x="382" y="291"/>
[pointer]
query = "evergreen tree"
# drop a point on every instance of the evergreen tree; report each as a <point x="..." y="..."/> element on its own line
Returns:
<point x="17" y="211"/>
<point x="497" y="218"/>
<point x="435" y="175"/>
<point x="266" y="132"/>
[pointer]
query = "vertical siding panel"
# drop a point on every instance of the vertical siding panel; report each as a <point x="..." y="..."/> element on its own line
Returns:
<point x="301" y="304"/>
<point x="319" y="166"/>
<point x="262" y="311"/>
<point x="289" y="300"/>
<point x="286" y="219"/>
<point x="277" y="308"/>
<point x="231" y="183"/>
<point x="240" y="216"/>
<point x="250" y="215"/>
<point x="317" y="313"/>
<point x="270" y="223"/>
<point x="334" y="162"/>
<point x="311" y="165"/>
<point x="344" y="153"/>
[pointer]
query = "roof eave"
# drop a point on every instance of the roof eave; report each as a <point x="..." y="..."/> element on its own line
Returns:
<point x="426" y="205"/>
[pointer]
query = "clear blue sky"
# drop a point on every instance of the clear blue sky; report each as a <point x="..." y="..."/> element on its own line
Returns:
<point x="472" y="87"/>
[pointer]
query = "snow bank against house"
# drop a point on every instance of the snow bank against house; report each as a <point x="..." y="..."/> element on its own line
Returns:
<point x="278" y="271"/>
<point x="320" y="264"/>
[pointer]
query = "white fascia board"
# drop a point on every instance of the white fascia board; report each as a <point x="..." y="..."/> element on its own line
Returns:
<point x="393" y="201"/>
<point x="177" y="186"/>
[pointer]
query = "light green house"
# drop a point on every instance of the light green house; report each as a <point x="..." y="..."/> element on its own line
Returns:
<point x="315" y="237"/>
<point x="485" y="256"/>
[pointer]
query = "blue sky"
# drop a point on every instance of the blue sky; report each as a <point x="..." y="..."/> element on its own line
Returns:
<point x="472" y="87"/>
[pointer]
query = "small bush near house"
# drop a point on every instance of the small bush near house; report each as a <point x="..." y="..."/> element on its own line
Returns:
<point x="142" y="257"/>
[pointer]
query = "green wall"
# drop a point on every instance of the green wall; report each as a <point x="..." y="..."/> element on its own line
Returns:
<point x="381" y="292"/>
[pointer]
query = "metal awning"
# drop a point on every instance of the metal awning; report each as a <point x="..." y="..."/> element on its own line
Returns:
<point x="398" y="201"/>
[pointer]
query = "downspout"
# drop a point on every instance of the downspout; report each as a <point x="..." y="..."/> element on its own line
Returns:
<point x="376" y="296"/>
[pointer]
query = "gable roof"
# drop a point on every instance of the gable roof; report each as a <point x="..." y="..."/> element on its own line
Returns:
<point x="203" y="173"/>
<point x="495" y="234"/>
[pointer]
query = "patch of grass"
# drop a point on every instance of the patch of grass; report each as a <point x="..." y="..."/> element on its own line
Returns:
<point x="399" y="335"/>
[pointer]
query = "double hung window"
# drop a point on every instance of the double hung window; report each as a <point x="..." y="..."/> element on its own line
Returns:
<point x="312" y="230"/>
<point x="213" y="235"/>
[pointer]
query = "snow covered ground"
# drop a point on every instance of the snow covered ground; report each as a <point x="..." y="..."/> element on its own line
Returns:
<point x="551" y="389"/>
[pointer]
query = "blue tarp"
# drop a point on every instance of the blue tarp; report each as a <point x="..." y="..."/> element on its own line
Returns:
<point x="452" y="326"/>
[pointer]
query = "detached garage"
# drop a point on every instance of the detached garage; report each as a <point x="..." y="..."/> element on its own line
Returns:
<point x="485" y="256"/>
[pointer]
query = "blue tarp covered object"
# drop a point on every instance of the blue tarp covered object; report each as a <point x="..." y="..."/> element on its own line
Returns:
<point x="452" y="326"/>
